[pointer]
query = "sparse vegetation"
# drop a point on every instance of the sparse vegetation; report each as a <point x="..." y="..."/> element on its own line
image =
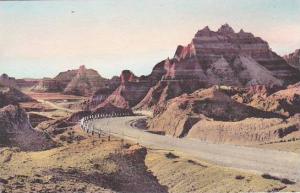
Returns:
<point x="282" y="180"/>
<point x="171" y="156"/>
<point x="239" y="177"/>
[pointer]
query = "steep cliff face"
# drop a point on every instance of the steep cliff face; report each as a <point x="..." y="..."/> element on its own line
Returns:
<point x="132" y="89"/>
<point x="293" y="59"/>
<point x="16" y="131"/>
<point x="220" y="57"/>
<point x="212" y="45"/>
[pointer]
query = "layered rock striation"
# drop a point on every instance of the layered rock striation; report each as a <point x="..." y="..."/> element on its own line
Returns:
<point x="214" y="115"/>
<point x="293" y="59"/>
<point x="83" y="82"/>
<point x="221" y="57"/>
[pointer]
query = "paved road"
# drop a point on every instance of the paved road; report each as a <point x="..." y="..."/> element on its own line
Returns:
<point x="278" y="163"/>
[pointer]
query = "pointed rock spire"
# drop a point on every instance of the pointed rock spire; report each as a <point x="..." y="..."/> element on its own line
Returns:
<point x="226" y="29"/>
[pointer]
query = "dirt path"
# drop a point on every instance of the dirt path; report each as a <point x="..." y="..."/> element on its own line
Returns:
<point x="55" y="106"/>
<point x="277" y="163"/>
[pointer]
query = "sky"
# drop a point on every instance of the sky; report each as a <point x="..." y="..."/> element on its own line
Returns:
<point x="42" y="38"/>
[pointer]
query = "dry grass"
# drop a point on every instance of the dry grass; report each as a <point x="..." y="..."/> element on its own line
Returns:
<point x="96" y="165"/>
<point x="91" y="165"/>
<point x="186" y="175"/>
<point x="292" y="146"/>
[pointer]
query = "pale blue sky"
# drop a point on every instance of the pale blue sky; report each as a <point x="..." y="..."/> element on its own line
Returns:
<point x="42" y="38"/>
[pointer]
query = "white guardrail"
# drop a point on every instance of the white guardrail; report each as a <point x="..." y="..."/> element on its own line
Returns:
<point x="87" y="126"/>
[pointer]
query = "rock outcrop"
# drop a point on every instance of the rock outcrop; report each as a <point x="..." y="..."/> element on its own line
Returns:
<point x="36" y="119"/>
<point x="101" y="94"/>
<point x="8" y="81"/>
<point x="27" y="83"/>
<point x="181" y="113"/>
<point x="221" y="57"/>
<point x="132" y="89"/>
<point x="247" y="131"/>
<point x="86" y="82"/>
<point x="83" y="82"/>
<point x="285" y="102"/>
<point x="16" y="131"/>
<point x="214" y="115"/>
<point x="293" y="59"/>
<point x="47" y="85"/>
<point x="10" y="95"/>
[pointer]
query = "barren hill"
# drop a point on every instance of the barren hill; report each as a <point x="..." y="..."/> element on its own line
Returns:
<point x="82" y="82"/>
<point x="132" y="89"/>
<point x="9" y="95"/>
<point x="86" y="82"/>
<point x="16" y="131"/>
<point x="221" y="57"/>
<point x="293" y="59"/>
<point x="213" y="115"/>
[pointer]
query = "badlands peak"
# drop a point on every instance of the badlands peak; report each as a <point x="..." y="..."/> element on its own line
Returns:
<point x="226" y="29"/>
<point x="222" y="57"/>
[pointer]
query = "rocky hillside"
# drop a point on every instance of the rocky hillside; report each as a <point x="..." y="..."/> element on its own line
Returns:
<point x="132" y="89"/>
<point x="285" y="102"/>
<point x="82" y="82"/>
<point x="6" y="80"/>
<point x="86" y="82"/>
<point x="101" y="94"/>
<point x="9" y="95"/>
<point x="293" y="59"/>
<point x="27" y="83"/>
<point x="47" y="85"/>
<point x="221" y="57"/>
<point x="16" y="131"/>
<point x="213" y="115"/>
<point x="17" y="83"/>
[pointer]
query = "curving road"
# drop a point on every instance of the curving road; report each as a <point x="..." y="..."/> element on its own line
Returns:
<point x="277" y="163"/>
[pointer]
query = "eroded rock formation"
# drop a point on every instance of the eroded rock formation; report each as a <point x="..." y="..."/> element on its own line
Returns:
<point x="82" y="81"/>
<point x="293" y="59"/>
<point x="47" y="85"/>
<point x="214" y="115"/>
<point x="10" y="95"/>
<point x="16" y="131"/>
<point x="8" y="81"/>
<point x="132" y="89"/>
<point x="86" y="82"/>
<point x="221" y="57"/>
